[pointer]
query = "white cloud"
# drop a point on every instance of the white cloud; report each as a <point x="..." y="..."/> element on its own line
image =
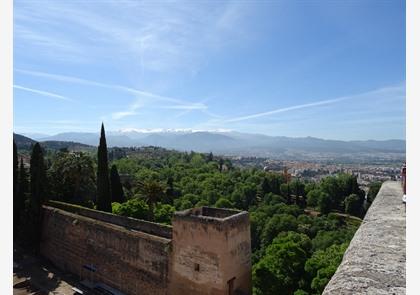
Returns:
<point x="142" y="97"/>
<point x="194" y="106"/>
<point x="42" y="92"/>
<point x="120" y="115"/>
<point x="393" y="91"/>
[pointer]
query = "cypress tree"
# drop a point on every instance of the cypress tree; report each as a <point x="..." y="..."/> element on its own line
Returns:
<point x="16" y="208"/>
<point x="117" y="192"/>
<point x="23" y="187"/>
<point x="265" y="186"/>
<point x="37" y="194"/>
<point x="103" y="187"/>
<point x="210" y="157"/>
<point x="38" y="176"/>
<point x="170" y="191"/>
<point x="221" y="162"/>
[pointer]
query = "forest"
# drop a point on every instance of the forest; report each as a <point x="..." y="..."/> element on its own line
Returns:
<point x="299" y="230"/>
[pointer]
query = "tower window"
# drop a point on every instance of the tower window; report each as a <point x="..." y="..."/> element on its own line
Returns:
<point x="196" y="267"/>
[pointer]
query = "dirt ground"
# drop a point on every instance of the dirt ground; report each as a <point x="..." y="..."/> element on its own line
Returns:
<point x="34" y="275"/>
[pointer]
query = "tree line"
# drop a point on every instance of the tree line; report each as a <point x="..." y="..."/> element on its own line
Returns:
<point x="67" y="177"/>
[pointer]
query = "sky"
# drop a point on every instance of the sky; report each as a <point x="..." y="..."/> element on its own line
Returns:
<point x="328" y="69"/>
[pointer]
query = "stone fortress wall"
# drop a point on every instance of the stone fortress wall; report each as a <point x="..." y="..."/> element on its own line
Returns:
<point x="374" y="262"/>
<point x="207" y="251"/>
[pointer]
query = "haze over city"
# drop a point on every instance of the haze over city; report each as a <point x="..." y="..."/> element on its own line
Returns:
<point x="332" y="70"/>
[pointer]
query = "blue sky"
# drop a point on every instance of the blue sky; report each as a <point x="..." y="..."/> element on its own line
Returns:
<point x="329" y="69"/>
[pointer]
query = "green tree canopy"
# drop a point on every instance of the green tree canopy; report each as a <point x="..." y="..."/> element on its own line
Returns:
<point x="163" y="213"/>
<point x="353" y="205"/>
<point x="282" y="266"/>
<point x="72" y="178"/>
<point x="327" y="238"/>
<point x="223" y="203"/>
<point x="325" y="203"/>
<point x="322" y="266"/>
<point x="153" y="191"/>
<point x="313" y="197"/>
<point x="277" y="224"/>
<point x="136" y="208"/>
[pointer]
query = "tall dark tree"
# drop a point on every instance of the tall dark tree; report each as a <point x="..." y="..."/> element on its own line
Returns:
<point x="37" y="194"/>
<point x="117" y="192"/>
<point x="221" y="162"/>
<point x="265" y="186"/>
<point x="38" y="176"/>
<point x="285" y="191"/>
<point x="16" y="208"/>
<point x="23" y="188"/>
<point x="103" y="187"/>
<point x="209" y="157"/>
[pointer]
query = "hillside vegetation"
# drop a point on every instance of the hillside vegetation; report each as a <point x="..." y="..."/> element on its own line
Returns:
<point x="299" y="230"/>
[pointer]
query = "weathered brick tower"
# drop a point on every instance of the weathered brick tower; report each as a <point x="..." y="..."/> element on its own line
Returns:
<point x="211" y="252"/>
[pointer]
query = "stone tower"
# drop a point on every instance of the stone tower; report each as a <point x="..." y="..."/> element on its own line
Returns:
<point x="211" y="252"/>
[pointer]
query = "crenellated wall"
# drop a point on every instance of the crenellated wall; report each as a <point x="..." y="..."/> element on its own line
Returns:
<point x="374" y="262"/>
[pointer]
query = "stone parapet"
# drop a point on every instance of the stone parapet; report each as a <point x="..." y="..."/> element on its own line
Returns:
<point x="374" y="262"/>
<point x="152" y="228"/>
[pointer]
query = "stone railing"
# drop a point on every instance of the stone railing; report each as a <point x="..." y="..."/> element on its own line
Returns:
<point x="374" y="262"/>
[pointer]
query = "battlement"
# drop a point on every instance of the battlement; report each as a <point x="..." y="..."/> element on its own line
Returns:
<point x="220" y="217"/>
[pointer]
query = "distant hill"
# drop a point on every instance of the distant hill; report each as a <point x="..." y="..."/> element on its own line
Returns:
<point x="23" y="142"/>
<point x="26" y="143"/>
<point x="70" y="145"/>
<point x="91" y="138"/>
<point x="236" y="143"/>
<point x="35" y="136"/>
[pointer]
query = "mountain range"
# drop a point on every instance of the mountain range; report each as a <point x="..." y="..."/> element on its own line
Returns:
<point x="229" y="142"/>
